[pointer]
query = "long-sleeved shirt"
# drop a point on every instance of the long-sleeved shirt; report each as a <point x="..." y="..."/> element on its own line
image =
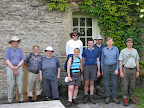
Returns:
<point x="71" y="45"/>
<point x="110" y="57"/>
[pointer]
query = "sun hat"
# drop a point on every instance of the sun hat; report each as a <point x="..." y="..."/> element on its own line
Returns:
<point x="98" y="37"/>
<point x="14" y="38"/>
<point x="49" y="48"/>
<point x="75" y="31"/>
<point x="129" y="39"/>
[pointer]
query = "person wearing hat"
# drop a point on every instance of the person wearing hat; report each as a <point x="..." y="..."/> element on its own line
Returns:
<point x="50" y="73"/>
<point x="32" y="63"/>
<point x="99" y="45"/>
<point x="129" y="70"/>
<point x="72" y="44"/>
<point x="14" y="59"/>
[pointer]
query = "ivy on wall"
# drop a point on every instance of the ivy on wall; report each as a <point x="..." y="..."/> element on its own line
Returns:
<point x="119" y="19"/>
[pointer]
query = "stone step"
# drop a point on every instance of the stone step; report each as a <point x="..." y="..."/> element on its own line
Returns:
<point x="42" y="104"/>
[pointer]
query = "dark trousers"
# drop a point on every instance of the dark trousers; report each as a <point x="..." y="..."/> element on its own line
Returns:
<point x="108" y="73"/>
<point x="51" y="88"/>
<point x="98" y="81"/>
<point x="128" y="82"/>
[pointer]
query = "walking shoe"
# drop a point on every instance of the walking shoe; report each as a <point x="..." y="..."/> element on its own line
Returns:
<point x="85" y="98"/>
<point x="38" y="98"/>
<point x="75" y="101"/>
<point x="69" y="103"/>
<point x="125" y="102"/>
<point x="116" y="100"/>
<point x="133" y="100"/>
<point x="92" y="100"/>
<point x="98" y="91"/>
<point x="107" y="101"/>
<point x="30" y="99"/>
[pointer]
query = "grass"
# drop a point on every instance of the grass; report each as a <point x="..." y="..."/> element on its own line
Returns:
<point x="139" y="95"/>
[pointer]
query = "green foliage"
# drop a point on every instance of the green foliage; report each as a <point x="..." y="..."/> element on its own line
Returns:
<point x="118" y="19"/>
<point x="59" y="5"/>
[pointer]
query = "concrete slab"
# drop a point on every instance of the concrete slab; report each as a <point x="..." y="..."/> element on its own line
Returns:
<point x="42" y="104"/>
<point x="89" y="105"/>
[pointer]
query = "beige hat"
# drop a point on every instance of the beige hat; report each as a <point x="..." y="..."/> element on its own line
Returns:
<point x="98" y="37"/>
<point x="49" y="48"/>
<point x="75" y="31"/>
<point x="129" y="39"/>
<point x="14" y="38"/>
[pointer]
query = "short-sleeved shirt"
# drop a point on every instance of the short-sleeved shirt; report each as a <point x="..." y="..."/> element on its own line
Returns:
<point x="14" y="55"/>
<point x="91" y="56"/>
<point x="49" y="67"/>
<point x="33" y="62"/>
<point x="75" y="65"/>
<point x="129" y="62"/>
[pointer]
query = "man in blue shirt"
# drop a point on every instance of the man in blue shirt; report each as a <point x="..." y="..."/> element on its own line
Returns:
<point x="110" y="66"/>
<point x="91" y="64"/>
<point x="99" y="46"/>
<point x="14" y="59"/>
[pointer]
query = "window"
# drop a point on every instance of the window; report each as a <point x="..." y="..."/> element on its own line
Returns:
<point x="86" y="25"/>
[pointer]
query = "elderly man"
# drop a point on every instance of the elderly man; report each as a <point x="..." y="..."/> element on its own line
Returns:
<point x="110" y="66"/>
<point x="129" y="70"/>
<point x="99" y="46"/>
<point x="14" y="59"/>
<point x="32" y="62"/>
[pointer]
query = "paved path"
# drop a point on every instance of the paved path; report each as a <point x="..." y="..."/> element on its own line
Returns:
<point x="42" y="104"/>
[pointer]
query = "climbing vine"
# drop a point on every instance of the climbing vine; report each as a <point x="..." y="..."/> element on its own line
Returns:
<point x="119" y="19"/>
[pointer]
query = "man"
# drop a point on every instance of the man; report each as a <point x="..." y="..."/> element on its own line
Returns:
<point x="110" y="66"/>
<point x="129" y="70"/>
<point x="99" y="46"/>
<point x="14" y="59"/>
<point x="32" y="62"/>
<point x="91" y="63"/>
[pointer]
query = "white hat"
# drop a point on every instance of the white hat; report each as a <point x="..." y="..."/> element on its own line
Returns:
<point x="98" y="37"/>
<point x="49" y="48"/>
<point x="14" y="38"/>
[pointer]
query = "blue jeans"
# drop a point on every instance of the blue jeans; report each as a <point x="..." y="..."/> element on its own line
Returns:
<point x="108" y="74"/>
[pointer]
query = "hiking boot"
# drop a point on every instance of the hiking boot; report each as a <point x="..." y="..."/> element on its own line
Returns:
<point x="98" y="91"/>
<point x="92" y="100"/>
<point x="125" y="102"/>
<point x="116" y="100"/>
<point x="30" y="99"/>
<point x="107" y="101"/>
<point x="133" y="100"/>
<point x="68" y="104"/>
<point x="38" y="98"/>
<point x="85" y="98"/>
<point x="75" y="101"/>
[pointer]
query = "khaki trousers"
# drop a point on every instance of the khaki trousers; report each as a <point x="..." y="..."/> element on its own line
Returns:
<point x="12" y="80"/>
<point x="33" y="80"/>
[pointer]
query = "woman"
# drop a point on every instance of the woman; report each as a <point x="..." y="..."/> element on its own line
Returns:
<point x="72" y="44"/>
<point x="14" y="59"/>
<point x="74" y="77"/>
<point x="49" y="74"/>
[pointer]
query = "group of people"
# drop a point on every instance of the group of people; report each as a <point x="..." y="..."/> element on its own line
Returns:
<point x="90" y="65"/>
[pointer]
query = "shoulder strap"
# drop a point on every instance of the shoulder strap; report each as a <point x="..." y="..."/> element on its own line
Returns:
<point x="30" y="57"/>
<point x="128" y="58"/>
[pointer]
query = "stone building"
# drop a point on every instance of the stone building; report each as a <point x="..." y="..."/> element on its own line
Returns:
<point x="35" y="25"/>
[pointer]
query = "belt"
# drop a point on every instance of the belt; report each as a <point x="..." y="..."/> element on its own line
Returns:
<point x="75" y="72"/>
<point x="14" y="65"/>
<point x="34" y="72"/>
<point x="130" y="68"/>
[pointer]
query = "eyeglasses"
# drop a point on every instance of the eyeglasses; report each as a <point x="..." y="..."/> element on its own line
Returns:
<point x="74" y="35"/>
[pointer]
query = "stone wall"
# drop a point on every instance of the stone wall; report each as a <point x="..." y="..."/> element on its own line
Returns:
<point x="35" y="25"/>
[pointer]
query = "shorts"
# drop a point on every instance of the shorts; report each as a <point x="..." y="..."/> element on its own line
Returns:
<point x="90" y="72"/>
<point x="76" y="79"/>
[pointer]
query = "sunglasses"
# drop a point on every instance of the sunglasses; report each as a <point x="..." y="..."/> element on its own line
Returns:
<point x="74" y="35"/>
